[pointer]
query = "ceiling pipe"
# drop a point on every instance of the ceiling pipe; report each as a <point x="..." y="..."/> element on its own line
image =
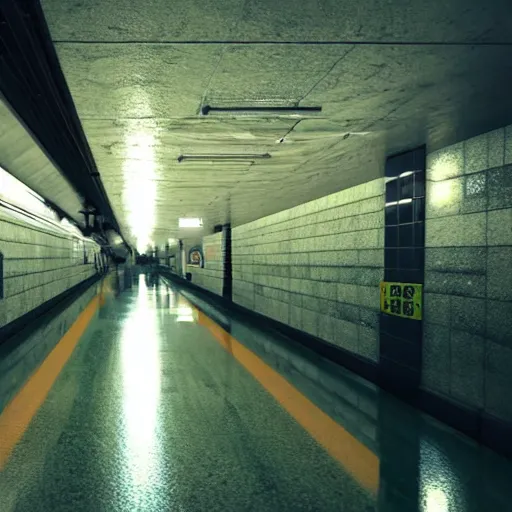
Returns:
<point x="182" y="158"/>
<point x="294" y="111"/>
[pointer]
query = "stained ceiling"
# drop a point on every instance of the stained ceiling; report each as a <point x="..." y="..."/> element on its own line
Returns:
<point x="388" y="76"/>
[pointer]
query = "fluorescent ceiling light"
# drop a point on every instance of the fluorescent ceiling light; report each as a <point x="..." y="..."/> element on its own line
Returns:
<point x="226" y="156"/>
<point x="190" y="222"/>
<point x="294" y="111"/>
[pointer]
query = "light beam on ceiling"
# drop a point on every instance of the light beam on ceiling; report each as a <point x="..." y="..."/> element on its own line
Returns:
<point x="139" y="191"/>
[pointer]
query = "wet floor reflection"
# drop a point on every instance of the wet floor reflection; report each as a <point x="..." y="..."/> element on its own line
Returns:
<point x="422" y="464"/>
<point x="161" y="408"/>
<point x="140" y="373"/>
<point x="440" y="487"/>
<point x="167" y="301"/>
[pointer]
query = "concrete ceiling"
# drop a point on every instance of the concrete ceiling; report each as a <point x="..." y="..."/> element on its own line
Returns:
<point x="388" y="76"/>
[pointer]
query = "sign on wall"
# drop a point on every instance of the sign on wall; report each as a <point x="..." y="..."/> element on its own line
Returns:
<point x="195" y="256"/>
<point x="402" y="299"/>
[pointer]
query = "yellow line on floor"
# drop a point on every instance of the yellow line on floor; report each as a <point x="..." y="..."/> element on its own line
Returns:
<point x="353" y="455"/>
<point x="18" y="414"/>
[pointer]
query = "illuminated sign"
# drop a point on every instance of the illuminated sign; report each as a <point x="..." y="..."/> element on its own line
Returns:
<point x="402" y="299"/>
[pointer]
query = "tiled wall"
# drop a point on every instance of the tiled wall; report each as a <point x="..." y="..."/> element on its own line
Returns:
<point x="317" y="267"/>
<point x="39" y="263"/>
<point x="467" y="349"/>
<point x="211" y="277"/>
<point x="404" y="261"/>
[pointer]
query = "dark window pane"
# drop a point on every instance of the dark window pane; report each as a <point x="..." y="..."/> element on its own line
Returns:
<point x="392" y="167"/>
<point x="405" y="186"/>
<point x="391" y="191"/>
<point x="411" y="275"/>
<point x="391" y="215"/>
<point x="411" y="258"/>
<point x="385" y="323"/>
<point x="391" y="274"/>
<point x="405" y="237"/>
<point x="419" y="234"/>
<point x="405" y="213"/>
<point x="391" y="258"/>
<point x="406" y="258"/>
<point x="419" y="158"/>
<point x="398" y="164"/>
<point x="419" y="184"/>
<point x="419" y="209"/>
<point x="391" y="237"/>
<point x="419" y="258"/>
<point x="409" y="161"/>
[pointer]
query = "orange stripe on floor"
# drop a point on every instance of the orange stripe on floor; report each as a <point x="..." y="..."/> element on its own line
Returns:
<point x="18" y="414"/>
<point x="353" y="455"/>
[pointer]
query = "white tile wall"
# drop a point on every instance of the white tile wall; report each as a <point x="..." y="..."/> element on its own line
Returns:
<point x="40" y="262"/>
<point x="307" y="265"/>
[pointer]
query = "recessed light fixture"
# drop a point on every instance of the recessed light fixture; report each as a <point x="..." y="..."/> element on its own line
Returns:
<point x="190" y="222"/>
<point x="207" y="157"/>
<point x="294" y="111"/>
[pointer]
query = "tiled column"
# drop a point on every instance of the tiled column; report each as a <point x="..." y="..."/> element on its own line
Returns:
<point x="401" y="338"/>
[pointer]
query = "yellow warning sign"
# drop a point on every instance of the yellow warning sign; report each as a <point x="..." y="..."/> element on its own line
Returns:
<point x="402" y="299"/>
